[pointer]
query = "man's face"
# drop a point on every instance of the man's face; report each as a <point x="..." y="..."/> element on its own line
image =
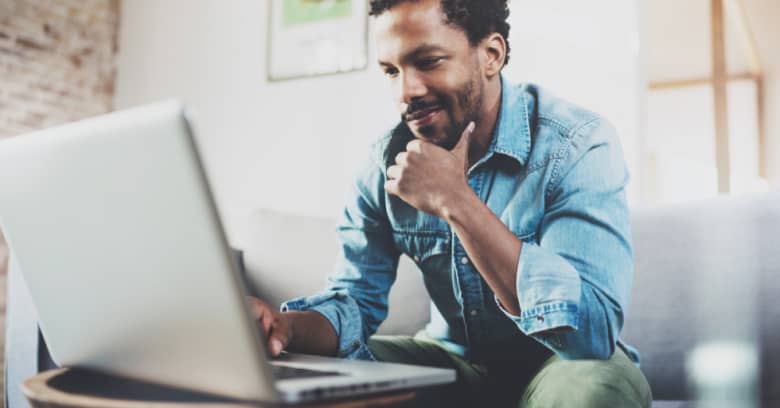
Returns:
<point x="435" y="71"/>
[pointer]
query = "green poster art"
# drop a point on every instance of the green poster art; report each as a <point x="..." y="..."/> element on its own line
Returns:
<point x="296" y="12"/>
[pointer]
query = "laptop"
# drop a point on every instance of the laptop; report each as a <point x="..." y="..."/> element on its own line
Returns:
<point x="117" y="236"/>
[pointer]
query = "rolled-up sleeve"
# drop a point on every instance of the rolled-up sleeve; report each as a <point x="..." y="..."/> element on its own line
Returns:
<point x="573" y="281"/>
<point x="355" y="299"/>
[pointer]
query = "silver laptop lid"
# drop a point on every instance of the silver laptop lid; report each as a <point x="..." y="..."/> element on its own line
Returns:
<point x="115" y="231"/>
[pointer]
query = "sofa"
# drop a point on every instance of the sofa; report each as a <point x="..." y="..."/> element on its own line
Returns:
<point x="704" y="271"/>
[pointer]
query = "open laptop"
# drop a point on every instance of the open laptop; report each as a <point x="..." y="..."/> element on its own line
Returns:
<point x="116" y="233"/>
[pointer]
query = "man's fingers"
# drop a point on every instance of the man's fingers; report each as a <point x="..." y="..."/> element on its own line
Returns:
<point x="262" y="313"/>
<point x="391" y="186"/>
<point x="393" y="172"/>
<point x="275" y="346"/>
<point x="277" y="337"/>
<point x="275" y="326"/>
<point x="265" y="316"/>
<point x="401" y="158"/>
<point x="414" y="146"/>
<point x="266" y="320"/>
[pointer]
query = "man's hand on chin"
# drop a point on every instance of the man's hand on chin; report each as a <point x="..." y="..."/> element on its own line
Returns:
<point x="431" y="178"/>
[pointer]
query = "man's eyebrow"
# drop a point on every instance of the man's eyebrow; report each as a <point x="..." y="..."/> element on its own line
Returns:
<point x="423" y="49"/>
<point x="420" y="50"/>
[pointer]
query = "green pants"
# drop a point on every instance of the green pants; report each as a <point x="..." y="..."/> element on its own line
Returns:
<point x="557" y="383"/>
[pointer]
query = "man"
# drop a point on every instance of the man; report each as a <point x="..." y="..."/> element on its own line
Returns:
<point x="512" y="204"/>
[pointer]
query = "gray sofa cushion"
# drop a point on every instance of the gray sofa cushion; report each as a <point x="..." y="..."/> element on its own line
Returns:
<point x="705" y="269"/>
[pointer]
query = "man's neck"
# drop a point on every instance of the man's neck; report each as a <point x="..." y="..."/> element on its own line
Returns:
<point x="487" y="122"/>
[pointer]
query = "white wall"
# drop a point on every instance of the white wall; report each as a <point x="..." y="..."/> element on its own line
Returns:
<point x="681" y="142"/>
<point x="293" y="145"/>
<point x="677" y="45"/>
<point x="762" y="16"/>
<point x="772" y="126"/>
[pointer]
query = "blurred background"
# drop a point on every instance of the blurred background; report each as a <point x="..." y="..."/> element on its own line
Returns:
<point x="692" y="86"/>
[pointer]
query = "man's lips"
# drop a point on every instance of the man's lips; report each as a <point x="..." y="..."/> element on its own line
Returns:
<point x="423" y="117"/>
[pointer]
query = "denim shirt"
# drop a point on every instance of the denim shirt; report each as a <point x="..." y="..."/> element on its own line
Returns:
<point x="555" y="175"/>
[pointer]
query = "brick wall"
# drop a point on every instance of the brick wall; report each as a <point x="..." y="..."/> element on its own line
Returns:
<point x="57" y="64"/>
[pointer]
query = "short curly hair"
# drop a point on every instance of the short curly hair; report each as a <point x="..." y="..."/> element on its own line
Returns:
<point x="478" y="18"/>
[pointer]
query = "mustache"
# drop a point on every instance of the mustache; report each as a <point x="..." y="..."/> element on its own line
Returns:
<point x="419" y="105"/>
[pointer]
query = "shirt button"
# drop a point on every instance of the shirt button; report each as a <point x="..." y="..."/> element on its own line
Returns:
<point x="474" y="312"/>
<point x="464" y="260"/>
<point x="416" y="258"/>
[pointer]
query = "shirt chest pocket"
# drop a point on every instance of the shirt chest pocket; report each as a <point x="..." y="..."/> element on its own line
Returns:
<point x="424" y="247"/>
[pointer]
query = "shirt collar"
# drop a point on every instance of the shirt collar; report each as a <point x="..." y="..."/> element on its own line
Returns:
<point x="512" y="135"/>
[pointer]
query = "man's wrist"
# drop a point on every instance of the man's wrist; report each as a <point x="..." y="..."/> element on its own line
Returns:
<point x="311" y="332"/>
<point x="291" y="317"/>
<point x="456" y="205"/>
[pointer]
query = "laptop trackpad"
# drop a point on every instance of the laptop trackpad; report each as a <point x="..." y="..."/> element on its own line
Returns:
<point x="282" y="372"/>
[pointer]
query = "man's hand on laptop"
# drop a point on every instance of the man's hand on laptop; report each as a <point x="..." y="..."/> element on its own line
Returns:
<point x="299" y="331"/>
<point x="276" y="325"/>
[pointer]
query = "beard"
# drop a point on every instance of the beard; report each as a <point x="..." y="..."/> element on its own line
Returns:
<point x="468" y="98"/>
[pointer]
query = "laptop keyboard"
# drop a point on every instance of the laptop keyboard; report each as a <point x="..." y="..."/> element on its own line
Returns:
<point x="284" y="372"/>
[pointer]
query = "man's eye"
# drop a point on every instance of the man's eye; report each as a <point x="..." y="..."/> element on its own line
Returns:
<point x="391" y="72"/>
<point x="430" y="62"/>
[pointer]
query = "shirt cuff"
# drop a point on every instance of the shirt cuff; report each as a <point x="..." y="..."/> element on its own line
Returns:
<point x="343" y="314"/>
<point x="543" y="317"/>
<point x="548" y="292"/>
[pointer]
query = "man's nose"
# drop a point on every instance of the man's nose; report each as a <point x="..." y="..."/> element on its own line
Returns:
<point x="412" y="87"/>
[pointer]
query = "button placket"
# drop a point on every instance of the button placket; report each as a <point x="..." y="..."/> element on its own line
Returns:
<point x="456" y="285"/>
<point x="470" y="280"/>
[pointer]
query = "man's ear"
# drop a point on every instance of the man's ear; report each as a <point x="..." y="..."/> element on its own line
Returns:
<point x="494" y="49"/>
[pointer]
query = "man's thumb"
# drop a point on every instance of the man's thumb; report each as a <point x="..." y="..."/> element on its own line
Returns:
<point x="462" y="148"/>
<point x="276" y="346"/>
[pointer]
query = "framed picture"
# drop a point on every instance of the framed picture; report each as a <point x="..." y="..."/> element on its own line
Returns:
<point x="316" y="37"/>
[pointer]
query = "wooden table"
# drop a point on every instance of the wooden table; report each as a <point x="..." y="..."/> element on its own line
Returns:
<point x="71" y="388"/>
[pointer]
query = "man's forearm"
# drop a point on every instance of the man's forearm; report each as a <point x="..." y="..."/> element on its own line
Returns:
<point x="492" y="247"/>
<point x="312" y="333"/>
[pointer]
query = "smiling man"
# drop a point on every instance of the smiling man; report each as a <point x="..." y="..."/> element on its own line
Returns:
<point x="511" y="202"/>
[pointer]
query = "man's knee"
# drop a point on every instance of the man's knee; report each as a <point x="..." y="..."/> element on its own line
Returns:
<point x="588" y="383"/>
<point x="598" y="393"/>
<point x="409" y="350"/>
<point x="585" y="393"/>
